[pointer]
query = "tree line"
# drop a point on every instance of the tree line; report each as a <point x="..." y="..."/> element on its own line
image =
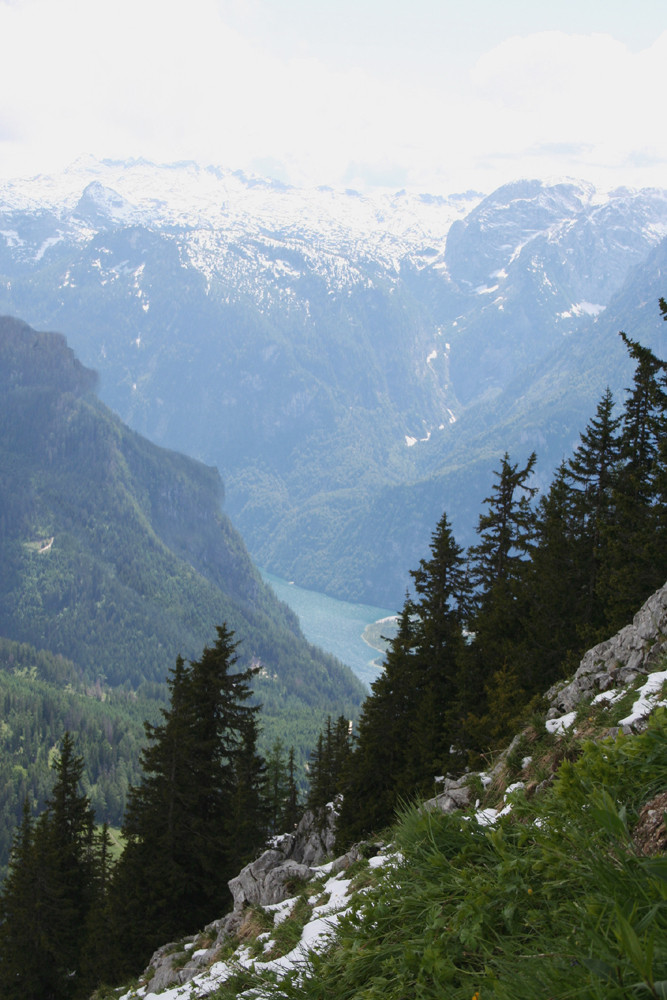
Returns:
<point x="70" y="918"/>
<point x="485" y="633"/>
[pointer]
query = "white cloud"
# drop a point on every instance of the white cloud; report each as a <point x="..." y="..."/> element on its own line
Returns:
<point x="169" y="80"/>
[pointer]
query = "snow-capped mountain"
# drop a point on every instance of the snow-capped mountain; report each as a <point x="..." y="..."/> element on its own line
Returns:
<point x="351" y="363"/>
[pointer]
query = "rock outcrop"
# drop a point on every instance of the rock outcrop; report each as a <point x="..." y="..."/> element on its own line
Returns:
<point x="618" y="661"/>
<point x="455" y="794"/>
<point x="270" y="878"/>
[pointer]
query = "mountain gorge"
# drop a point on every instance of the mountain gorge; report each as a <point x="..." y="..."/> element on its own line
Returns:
<point x="115" y="558"/>
<point x="351" y="364"/>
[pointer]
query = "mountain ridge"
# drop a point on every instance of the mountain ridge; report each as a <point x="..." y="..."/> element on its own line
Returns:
<point x="326" y="350"/>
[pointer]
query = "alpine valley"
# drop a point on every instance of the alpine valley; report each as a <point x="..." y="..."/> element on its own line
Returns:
<point x="115" y="559"/>
<point x="353" y="365"/>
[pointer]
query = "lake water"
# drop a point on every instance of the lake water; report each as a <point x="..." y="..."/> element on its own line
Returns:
<point x="335" y="626"/>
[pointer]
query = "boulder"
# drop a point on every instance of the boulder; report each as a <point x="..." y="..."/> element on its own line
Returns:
<point x="268" y="879"/>
<point x="455" y="795"/>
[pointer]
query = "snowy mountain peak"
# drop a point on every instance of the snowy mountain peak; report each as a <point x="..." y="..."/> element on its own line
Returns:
<point x="100" y="205"/>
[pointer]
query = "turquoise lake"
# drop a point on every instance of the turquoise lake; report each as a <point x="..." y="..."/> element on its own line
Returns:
<point x="335" y="626"/>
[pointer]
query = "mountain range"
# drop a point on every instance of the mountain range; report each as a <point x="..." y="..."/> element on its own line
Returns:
<point x="353" y="365"/>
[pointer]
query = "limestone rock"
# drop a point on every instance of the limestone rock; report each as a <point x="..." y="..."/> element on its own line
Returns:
<point x="269" y="879"/>
<point x="616" y="662"/>
<point x="454" y="795"/>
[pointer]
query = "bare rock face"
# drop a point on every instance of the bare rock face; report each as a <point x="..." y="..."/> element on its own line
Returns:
<point x="268" y="879"/>
<point x="616" y="662"/>
<point x="455" y="795"/>
<point x="290" y="859"/>
<point x="650" y="834"/>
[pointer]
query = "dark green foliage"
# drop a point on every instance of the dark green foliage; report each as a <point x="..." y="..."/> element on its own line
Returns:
<point x="281" y="790"/>
<point x="198" y="813"/>
<point x="55" y="883"/>
<point x="636" y="538"/>
<point x="413" y="723"/>
<point x="41" y="696"/>
<point x="573" y="520"/>
<point x="328" y="763"/>
<point x="499" y="566"/>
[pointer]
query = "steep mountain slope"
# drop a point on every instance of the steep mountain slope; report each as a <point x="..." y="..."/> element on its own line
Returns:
<point x="544" y="875"/>
<point x="333" y="355"/>
<point x="114" y="552"/>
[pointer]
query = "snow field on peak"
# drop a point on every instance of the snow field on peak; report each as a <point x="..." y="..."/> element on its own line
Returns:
<point x="187" y="195"/>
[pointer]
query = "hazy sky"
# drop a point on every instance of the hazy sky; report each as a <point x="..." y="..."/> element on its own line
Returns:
<point x="435" y="95"/>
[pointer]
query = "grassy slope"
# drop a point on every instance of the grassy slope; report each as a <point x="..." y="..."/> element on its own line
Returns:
<point x="556" y="899"/>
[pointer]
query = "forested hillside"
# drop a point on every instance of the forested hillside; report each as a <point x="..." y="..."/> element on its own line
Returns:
<point x="115" y="555"/>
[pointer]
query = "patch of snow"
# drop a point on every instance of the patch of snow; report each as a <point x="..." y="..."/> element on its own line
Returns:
<point x="51" y="242"/>
<point x="582" y="309"/>
<point x="486" y="817"/>
<point x="486" y="290"/>
<point x="12" y="238"/>
<point x="432" y="356"/>
<point x="610" y="696"/>
<point x="561" y="724"/>
<point x="647" y="700"/>
<point x="410" y="441"/>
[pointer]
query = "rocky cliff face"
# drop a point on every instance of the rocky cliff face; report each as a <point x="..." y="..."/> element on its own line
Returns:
<point x="615" y="663"/>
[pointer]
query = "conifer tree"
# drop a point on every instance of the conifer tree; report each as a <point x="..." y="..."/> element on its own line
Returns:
<point x="276" y="787"/>
<point x="19" y="917"/>
<point x="373" y="782"/>
<point x="197" y="811"/>
<point x="636" y="549"/>
<point x="292" y="805"/>
<point x="441" y="675"/>
<point x="573" y="518"/>
<point x="49" y="892"/>
<point x="328" y="763"/>
<point x="591" y="474"/>
<point x="499" y="570"/>
<point x="247" y="820"/>
<point x="413" y="721"/>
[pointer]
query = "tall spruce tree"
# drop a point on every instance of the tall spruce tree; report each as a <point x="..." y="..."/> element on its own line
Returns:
<point x="444" y="684"/>
<point x="636" y="541"/>
<point x="373" y="784"/>
<point x="184" y="825"/>
<point x="499" y="571"/>
<point x="412" y="724"/>
<point x="49" y="893"/>
<point x="572" y="523"/>
<point x="328" y="763"/>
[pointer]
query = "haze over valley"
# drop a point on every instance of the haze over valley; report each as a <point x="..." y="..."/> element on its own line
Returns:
<point x="352" y="364"/>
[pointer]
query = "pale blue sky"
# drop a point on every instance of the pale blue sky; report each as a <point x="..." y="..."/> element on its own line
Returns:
<point x="436" y="96"/>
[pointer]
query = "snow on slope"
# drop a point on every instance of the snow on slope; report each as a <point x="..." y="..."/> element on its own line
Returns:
<point x="386" y="226"/>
